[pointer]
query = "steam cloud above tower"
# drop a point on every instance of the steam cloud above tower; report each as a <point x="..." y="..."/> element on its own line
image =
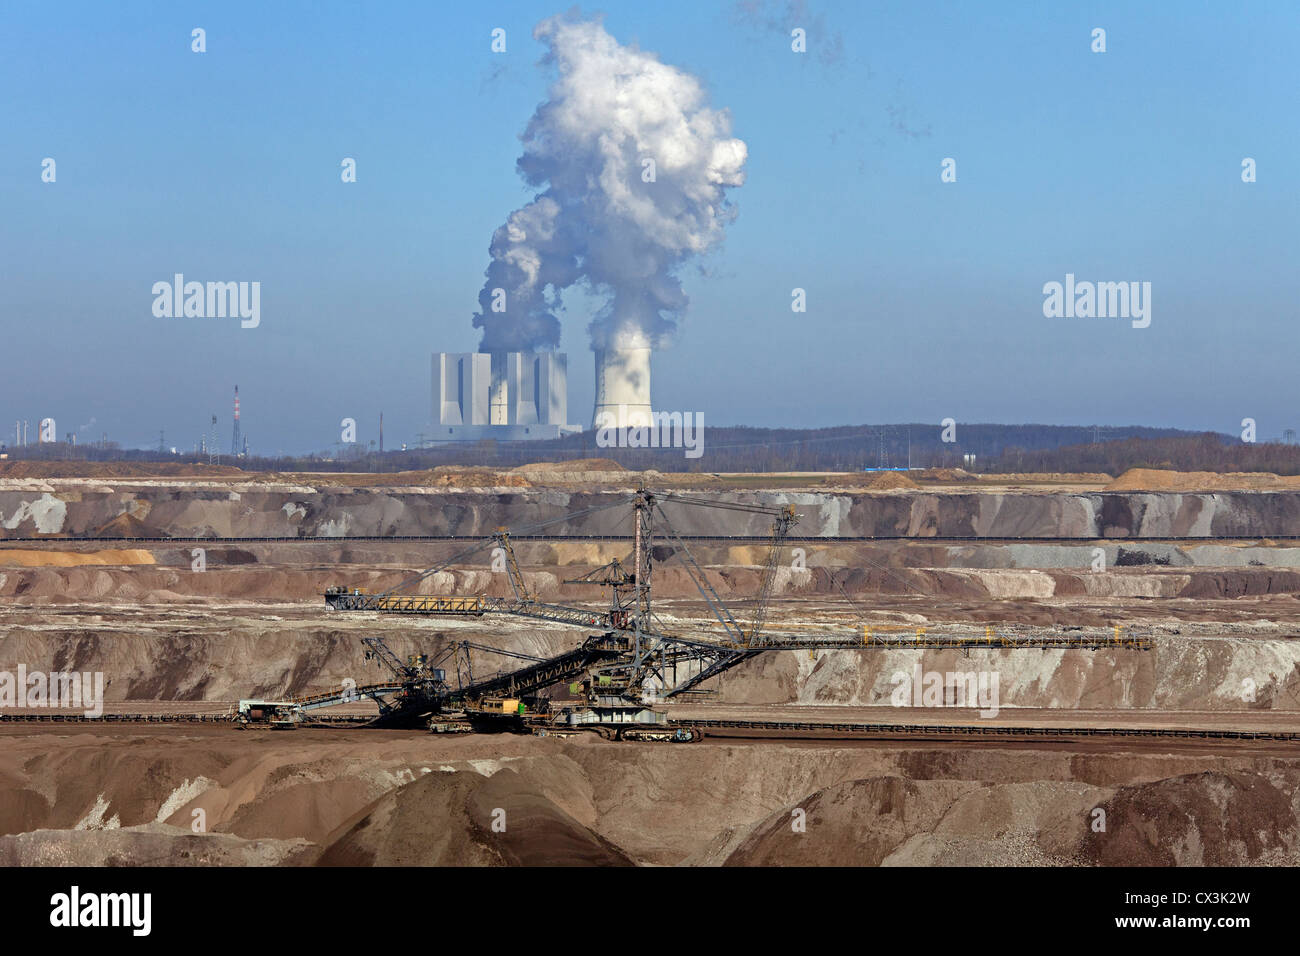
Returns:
<point x="596" y="221"/>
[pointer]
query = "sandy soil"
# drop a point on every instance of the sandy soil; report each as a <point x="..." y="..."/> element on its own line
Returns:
<point x="1152" y="479"/>
<point x="363" y="797"/>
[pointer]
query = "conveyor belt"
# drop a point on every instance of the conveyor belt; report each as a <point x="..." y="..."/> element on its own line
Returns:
<point x="46" y="717"/>
<point x="745" y="538"/>
<point x="866" y="730"/>
<point x="981" y="730"/>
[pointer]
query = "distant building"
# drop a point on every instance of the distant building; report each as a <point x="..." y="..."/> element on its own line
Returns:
<point x="510" y="396"/>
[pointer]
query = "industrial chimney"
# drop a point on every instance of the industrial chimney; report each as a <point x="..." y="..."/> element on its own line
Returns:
<point x="234" y="441"/>
<point x="622" y="388"/>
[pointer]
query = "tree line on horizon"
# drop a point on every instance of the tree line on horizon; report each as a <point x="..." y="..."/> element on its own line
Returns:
<point x="1204" y="452"/>
<point x="996" y="449"/>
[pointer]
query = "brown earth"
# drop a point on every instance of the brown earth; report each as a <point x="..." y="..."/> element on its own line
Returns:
<point x="890" y="480"/>
<point x="947" y="475"/>
<point x="448" y="819"/>
<point x="576" y="464"/>
<point x="69" y="559"/>
<point x="375" y="797"/>
<point x="1205" y="819"/>
<point x="1154" y="479"/>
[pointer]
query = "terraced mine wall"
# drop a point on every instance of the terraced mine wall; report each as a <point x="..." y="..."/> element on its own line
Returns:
<point x="89" y="508"/>
<point x="232" y="656"/>
<point x="160" y="631"/>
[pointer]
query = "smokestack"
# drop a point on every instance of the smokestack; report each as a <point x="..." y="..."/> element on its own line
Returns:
<point x="234" y="441"/>
<point x="622" y="388"/>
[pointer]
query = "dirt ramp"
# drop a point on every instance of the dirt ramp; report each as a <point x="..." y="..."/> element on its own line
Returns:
<point x="454" y="818"/>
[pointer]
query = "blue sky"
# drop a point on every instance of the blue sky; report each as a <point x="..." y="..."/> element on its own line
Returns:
<point x="924" y="298"/>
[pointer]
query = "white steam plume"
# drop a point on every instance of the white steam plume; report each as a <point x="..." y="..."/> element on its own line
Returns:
<point x="596" y="221"/>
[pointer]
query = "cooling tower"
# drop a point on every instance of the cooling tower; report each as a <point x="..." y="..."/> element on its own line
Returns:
<point x="622" y="388"/>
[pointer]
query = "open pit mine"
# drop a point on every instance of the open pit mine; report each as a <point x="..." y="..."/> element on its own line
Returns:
<point x="219" y="667"/>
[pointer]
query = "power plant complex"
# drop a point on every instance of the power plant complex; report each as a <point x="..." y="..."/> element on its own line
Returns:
<point x="520" y="396"/>
<point x="508" y="396"/>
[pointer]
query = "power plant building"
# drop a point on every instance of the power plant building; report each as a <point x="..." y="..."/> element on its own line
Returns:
<point x="509" y="396"/>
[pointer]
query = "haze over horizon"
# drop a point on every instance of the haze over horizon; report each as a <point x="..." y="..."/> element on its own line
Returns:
<point x="924" y="298"/>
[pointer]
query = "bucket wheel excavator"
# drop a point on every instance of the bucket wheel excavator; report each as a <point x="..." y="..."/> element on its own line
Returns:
<point x="634" y="662"/>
